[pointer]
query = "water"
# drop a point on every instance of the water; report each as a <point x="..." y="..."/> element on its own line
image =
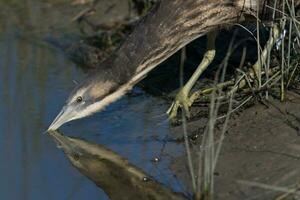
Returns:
<point x="35" y="80"/>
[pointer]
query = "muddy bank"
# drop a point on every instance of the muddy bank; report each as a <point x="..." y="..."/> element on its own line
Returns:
<point x="261" y="145"/>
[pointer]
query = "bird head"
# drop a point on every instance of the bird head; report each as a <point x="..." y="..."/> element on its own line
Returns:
<point x="91" y="96"/>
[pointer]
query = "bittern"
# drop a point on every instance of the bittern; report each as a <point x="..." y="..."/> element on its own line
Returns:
<point x="167" y="28"/>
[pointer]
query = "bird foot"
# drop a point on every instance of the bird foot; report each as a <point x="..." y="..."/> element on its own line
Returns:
<point x="183" y="102"/>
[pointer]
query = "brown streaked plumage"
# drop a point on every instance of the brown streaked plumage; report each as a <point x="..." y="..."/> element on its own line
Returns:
<point x="168" y="27"/>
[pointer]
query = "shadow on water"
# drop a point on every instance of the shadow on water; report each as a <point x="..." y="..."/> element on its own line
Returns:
<point x="35" y="80"/>
<point x="114" y="174"/>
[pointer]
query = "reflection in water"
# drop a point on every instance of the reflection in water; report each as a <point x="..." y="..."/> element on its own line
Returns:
<point x="108" y="170"/>
<point x="34" y="82"/>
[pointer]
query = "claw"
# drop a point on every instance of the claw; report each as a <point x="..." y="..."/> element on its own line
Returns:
<point x="182" y="101"/>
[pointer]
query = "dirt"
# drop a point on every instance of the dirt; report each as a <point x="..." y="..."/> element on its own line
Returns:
<point x="261" y="145"/>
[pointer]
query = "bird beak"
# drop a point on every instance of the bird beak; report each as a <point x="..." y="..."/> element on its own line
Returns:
<point x="65" y="115"/>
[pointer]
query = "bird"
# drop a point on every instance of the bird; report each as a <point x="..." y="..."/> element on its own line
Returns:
<point x="168" y="27"/>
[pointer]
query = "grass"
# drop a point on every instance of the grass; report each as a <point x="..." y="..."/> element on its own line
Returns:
<point x="261" y="80"/>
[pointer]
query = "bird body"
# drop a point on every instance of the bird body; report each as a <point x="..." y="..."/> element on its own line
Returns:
<point x="168" y="27"/>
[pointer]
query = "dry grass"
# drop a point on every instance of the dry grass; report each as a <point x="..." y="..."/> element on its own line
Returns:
<point x="282" y="48"/>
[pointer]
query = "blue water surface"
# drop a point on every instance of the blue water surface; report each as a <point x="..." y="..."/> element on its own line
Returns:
<point x="35" y="80"/>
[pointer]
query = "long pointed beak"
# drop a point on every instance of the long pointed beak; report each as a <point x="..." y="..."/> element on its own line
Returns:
<point x="63" y="117"/>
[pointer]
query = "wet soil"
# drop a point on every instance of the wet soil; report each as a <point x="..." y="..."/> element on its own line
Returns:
<point x="261" y="145"/>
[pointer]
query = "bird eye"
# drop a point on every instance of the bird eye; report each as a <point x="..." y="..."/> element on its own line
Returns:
<point x="79" y="99"/>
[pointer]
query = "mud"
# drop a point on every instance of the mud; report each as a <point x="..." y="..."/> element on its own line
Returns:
<point x="261" y="145"/>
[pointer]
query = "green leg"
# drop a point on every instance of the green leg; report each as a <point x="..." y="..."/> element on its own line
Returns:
<point x="253" y="73"/>
<point x="182" y="98"/>
<point x="257" y="67"/>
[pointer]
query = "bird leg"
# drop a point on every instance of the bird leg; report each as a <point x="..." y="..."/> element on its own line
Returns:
<point x="182" y="99"/>
<point x="263" y="56"/>
<point x="244" y="80"/>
